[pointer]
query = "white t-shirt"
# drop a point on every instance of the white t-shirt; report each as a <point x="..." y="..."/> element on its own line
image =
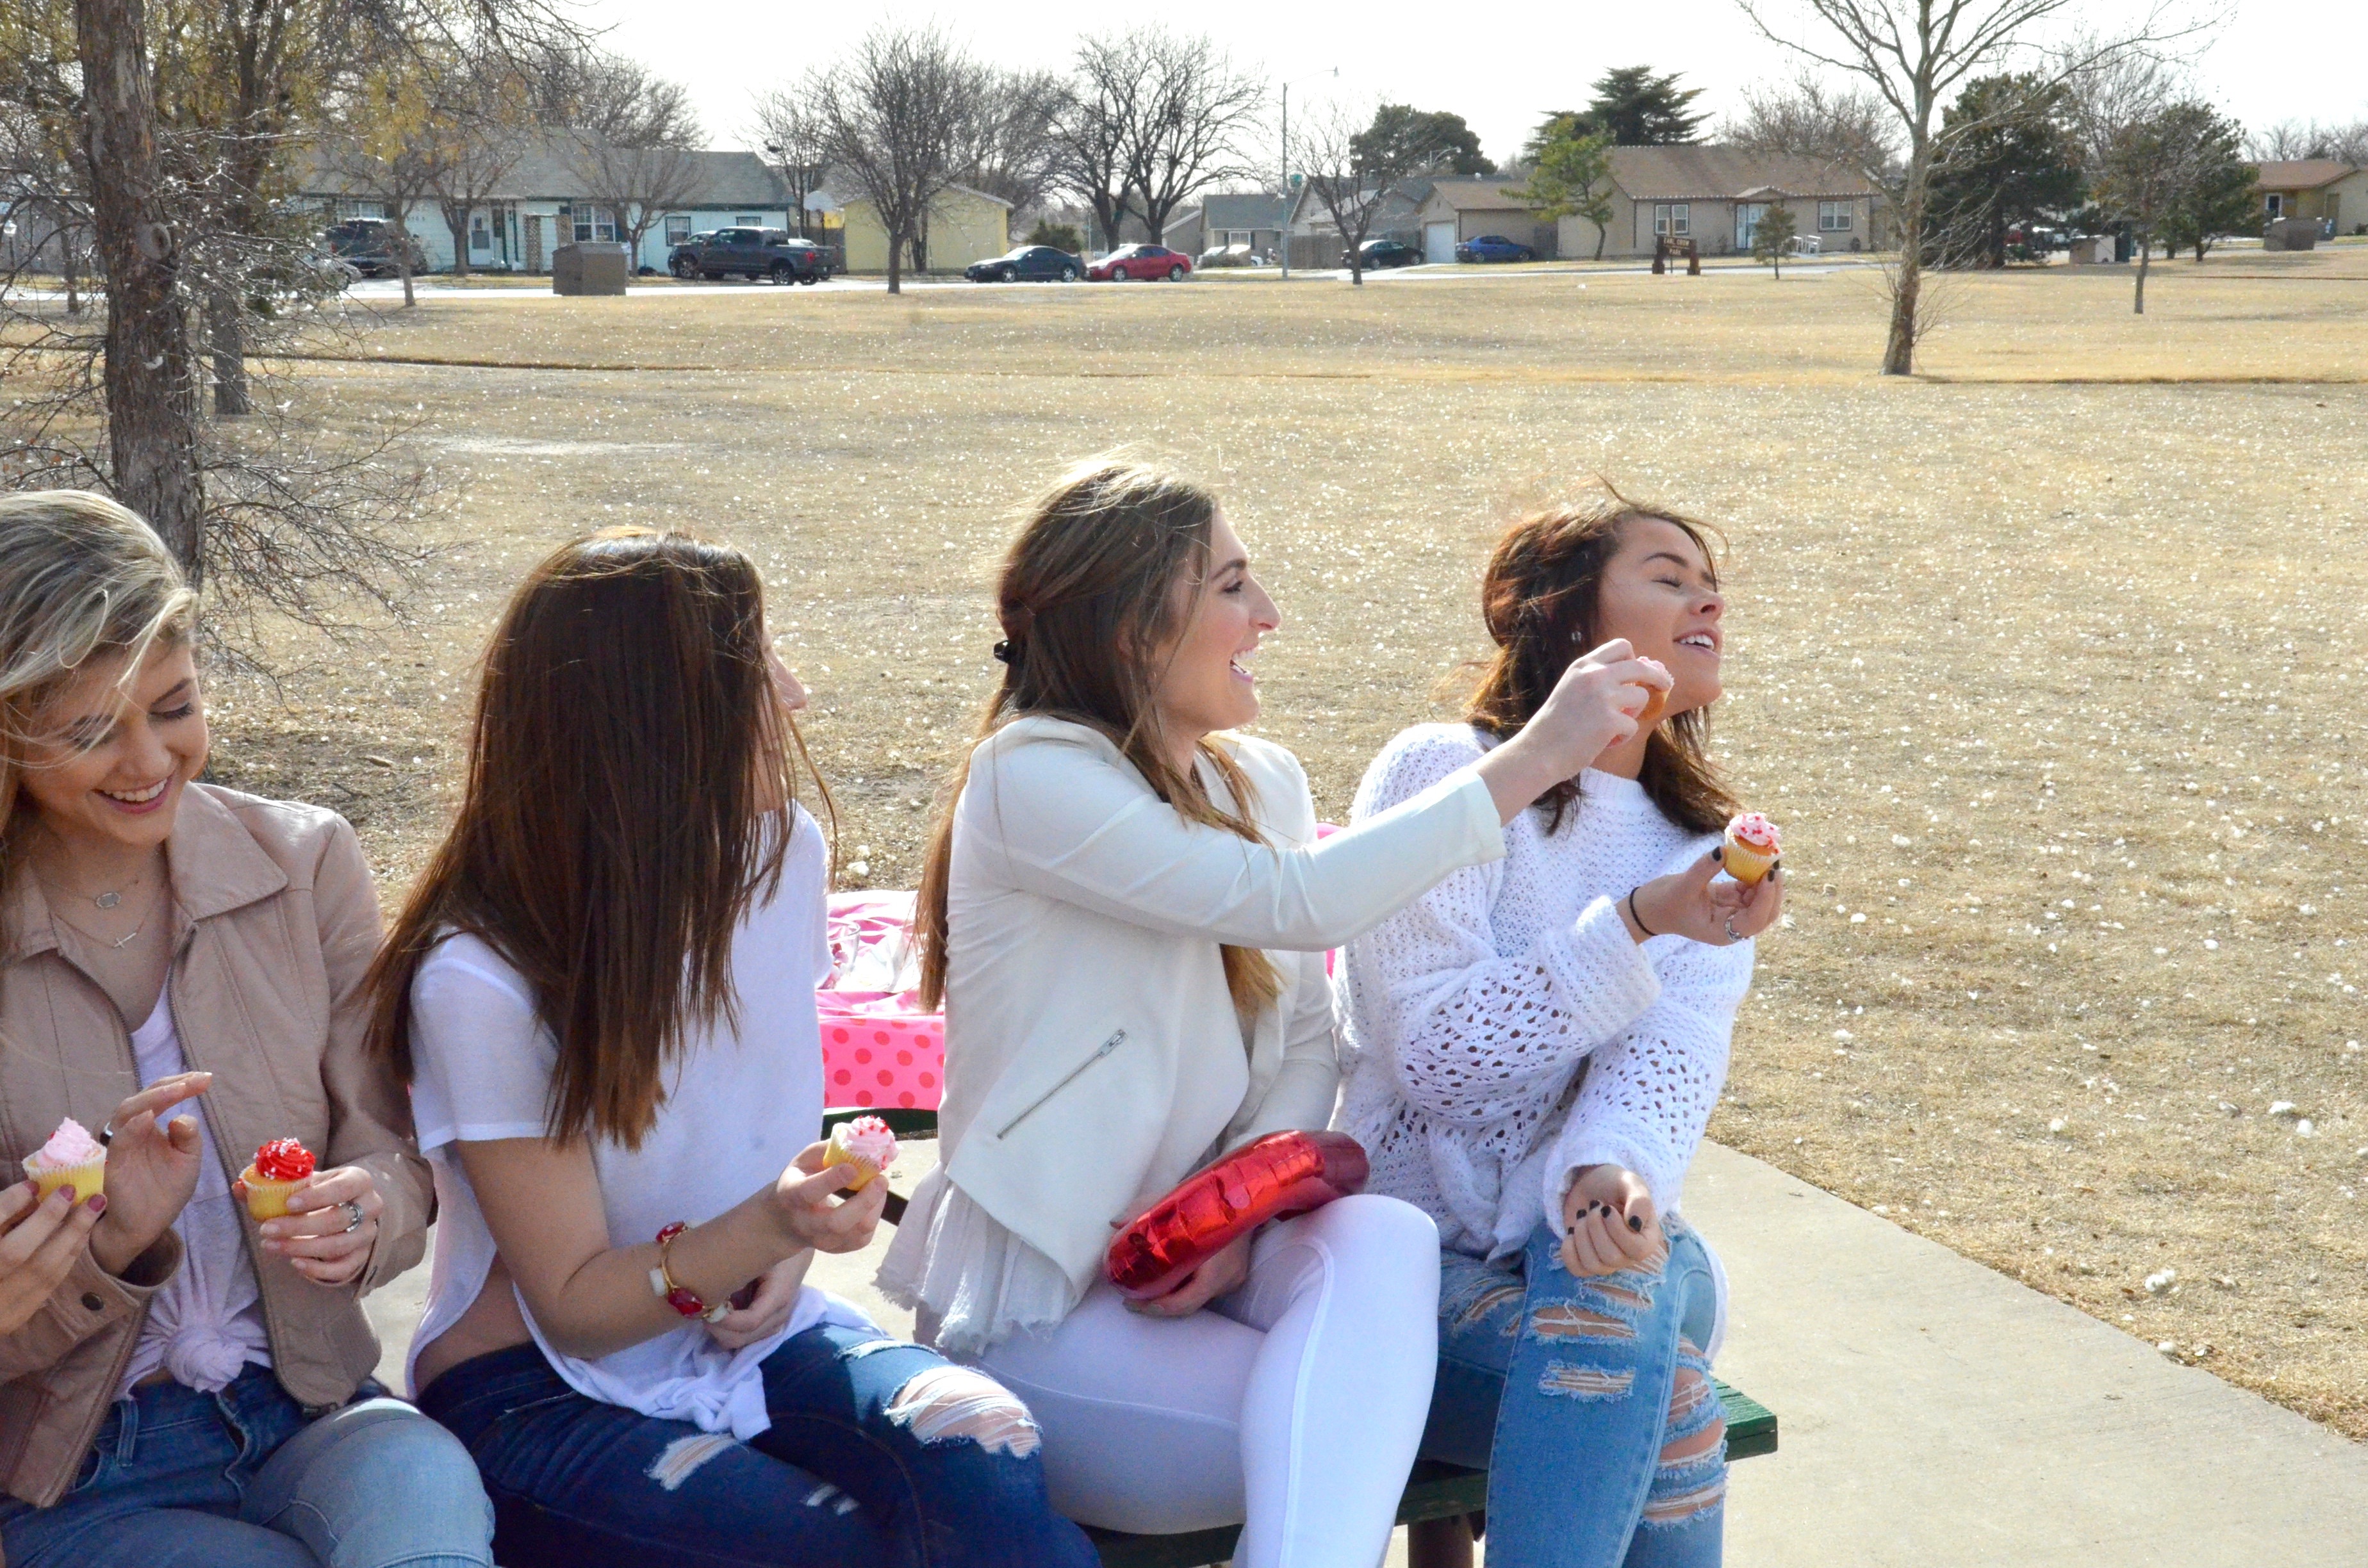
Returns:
<point x="205" y="1324"/>
<point x="740" y="1105"/>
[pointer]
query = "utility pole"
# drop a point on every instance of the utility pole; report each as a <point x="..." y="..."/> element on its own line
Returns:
<point x="1286" y="168"/>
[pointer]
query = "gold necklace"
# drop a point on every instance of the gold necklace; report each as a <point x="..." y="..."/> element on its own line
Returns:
<point x="108" y="900"/>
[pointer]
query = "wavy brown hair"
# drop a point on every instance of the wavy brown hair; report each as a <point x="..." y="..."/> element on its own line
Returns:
<point x="1542" y="599"/>
<point x="627" y="801"/>
<point x="1088" y="598"/>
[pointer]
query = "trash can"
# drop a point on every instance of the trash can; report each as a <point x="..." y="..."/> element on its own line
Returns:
<point x="589" y="267"/>
<point x="2290" y="233"/>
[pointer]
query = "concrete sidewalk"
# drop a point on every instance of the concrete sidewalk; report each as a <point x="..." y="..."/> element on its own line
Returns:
<point x="1933" y="1413"/>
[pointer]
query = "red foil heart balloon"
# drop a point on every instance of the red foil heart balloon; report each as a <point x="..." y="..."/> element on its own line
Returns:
<point x="1280" y="1174"/>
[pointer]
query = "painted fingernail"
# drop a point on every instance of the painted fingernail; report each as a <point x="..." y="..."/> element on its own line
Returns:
<point x="68" y="1188"/>
<point x="99" y="1203"/>
<point x="1637" y="1224"/>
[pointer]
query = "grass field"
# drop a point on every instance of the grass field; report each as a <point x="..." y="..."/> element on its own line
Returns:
<point x="2050" y="662"/>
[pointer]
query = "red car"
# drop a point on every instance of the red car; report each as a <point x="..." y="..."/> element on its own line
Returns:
<point x="1143" y="264"/>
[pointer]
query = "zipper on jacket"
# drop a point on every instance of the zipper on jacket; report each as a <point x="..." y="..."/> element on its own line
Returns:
<point x="1070" y="1077"/>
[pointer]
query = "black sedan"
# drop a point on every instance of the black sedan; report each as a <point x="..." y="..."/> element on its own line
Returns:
<point x="1385" y="253"/>
<point x="1035" y="264"/>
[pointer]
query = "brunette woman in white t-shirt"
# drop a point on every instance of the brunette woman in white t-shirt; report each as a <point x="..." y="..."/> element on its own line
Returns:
<point x="1127" y="911"/>
<point x="602" y="994"/>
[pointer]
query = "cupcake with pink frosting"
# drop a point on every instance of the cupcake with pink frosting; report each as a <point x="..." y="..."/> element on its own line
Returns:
<point x="1751" y="847"/>
<point x="863" y="1142"/>
<point x="71" y="1158"/>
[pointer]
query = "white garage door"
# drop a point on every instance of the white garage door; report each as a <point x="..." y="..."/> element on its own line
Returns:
<point x="1439" y="241"/>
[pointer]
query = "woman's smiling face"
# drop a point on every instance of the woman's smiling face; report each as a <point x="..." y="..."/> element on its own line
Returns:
<point x="1204" y="680"/>
<point x="1660" y="593"/>
<point x="115" y="759"/>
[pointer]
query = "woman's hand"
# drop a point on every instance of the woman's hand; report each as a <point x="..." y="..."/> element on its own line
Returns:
<point x="777" y="1297"/>
<point x="152" y="1170"/>
<point x="1592" y="707"/>
<point x="321" y="1239"/>
<point x="1608" y="1221"/>
<point x="1695" y="904"/>
<point x="38" y="1243"/>
<point x="806" y="1214"/>
<point x="1225" y="1271"/>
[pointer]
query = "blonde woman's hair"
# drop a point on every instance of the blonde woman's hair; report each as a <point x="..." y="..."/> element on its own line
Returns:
<point x="82" y="579"/>
<point x="1086" y="601"/>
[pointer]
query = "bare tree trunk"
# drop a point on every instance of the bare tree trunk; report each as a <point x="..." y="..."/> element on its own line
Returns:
<point x="151" y="371"/>
<point x="1906" y="284"/>
<point x="896" y="238"/>
<point x="402" y="261"/>
<point x="73" y="272"/>
<point x="2145" y="254"/>
<point x="457" y="220"/>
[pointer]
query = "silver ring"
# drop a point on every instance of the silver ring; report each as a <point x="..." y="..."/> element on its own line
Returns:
<point x="106" y="1133"/>
<point x="353" y="1217"/>
<point x="1732" y="934"/>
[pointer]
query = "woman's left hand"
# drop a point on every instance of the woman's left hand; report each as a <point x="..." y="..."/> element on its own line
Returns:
<point x="777" y="1297"/>
<point x="321" y="1239"/>
<point x="1225" y="1271"/>
<point x="1698" y="904"/>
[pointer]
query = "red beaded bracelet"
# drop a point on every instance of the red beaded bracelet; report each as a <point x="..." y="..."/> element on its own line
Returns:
<point x="663" y="1286"/>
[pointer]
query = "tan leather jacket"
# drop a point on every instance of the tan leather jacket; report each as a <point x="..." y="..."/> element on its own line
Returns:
<point x="274" y="923"/>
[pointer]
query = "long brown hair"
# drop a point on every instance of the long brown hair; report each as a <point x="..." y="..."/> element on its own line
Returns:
<point x="1542" y="599"/>
<point x="1087" y="597"/>
<point x="628" y="800"/>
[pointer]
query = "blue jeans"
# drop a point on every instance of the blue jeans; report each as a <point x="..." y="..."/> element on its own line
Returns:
<point x="1590" y="1404"/>
<point x="241" y="1479"/>
<point x="880" y="1453"/>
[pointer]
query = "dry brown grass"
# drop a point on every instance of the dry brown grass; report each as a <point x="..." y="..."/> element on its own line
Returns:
<point x="2051" y="664"/>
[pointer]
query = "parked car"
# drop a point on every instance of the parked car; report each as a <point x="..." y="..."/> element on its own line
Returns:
<point x="1493" y="247"/>
<point x="1027" y="263"/>
<point x="750" y="253"/>
<point x="1385" y="253"/>
<point x="1142" y="263"/>
<point x="367" y="246"/>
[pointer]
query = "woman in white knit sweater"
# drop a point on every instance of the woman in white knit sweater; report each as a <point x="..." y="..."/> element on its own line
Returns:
<point x="1539" y="1042"/>
<point x="1126" y="913"/>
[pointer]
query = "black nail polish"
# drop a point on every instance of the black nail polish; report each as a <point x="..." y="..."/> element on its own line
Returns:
<point x="1637" y="1224"/>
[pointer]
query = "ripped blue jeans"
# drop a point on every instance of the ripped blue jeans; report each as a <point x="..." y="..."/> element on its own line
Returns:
<point x="880" y="1452"/>
<point x="1590" y="1404"/>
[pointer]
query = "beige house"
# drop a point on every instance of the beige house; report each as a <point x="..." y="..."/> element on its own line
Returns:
<point x="2336" y="193"/>
<point x="964" y="225"/>
<point x="1715" y="195"/>
<point x="1460" y="210"/>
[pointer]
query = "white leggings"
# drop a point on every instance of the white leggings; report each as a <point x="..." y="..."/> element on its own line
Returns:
<point x="1296" y="1404"/>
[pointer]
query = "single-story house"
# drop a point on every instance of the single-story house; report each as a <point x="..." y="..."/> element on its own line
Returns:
<point x="1256" y="219"/>
<point x="2324" y="189"/>
<point x="539" y="204"/>
<point x="1316" y="238"/>
<point x="1715" y="195"/>
<point x="964" y="225"/>
<point x="1460" y="210"/>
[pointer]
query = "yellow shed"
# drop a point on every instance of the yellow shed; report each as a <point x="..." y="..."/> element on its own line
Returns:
<point x="966" y="225"/>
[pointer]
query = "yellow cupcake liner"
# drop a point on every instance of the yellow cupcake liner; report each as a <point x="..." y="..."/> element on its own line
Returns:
<point x="832" y="1154"/>
<point x="265" y="1199"/>
<point x="1744" y="863"/>
<point x="85" y="1179"/>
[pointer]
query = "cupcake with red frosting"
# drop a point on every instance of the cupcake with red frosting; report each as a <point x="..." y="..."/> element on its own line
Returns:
<point x="73" y="1158"/>
<point x="1751" y="847"/>
<point x="280" y="1168"/>
<point x="863" y="1142"/>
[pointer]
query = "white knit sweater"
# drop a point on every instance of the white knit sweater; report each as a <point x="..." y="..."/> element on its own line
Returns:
<point x="1473" y="1010"/>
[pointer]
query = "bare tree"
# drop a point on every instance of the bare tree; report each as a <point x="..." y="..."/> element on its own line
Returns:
<point x="1093" y="136"/>
<point x="893" y="113"/>
<point x="1009" y="148"/>
<point x="483" y="123"/>
<point x="1912" y="55"/>
<point x="1195" y="110"/>
<point x="631" y="144"/>
<point x="790" y="126"/>
<point x="2294" y="139"/>
<point x="1350" y="174"/>
<point x="386" y="151"/>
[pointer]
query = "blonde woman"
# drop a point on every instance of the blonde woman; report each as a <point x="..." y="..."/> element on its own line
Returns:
<point x="196" y="1390"/>
<point x="1126" y="913"/>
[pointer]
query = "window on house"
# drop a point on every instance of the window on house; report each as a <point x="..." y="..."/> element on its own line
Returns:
<point x="1673" y="218"/>
<point x="748" y="219"/>
<point x="587" y="222"/>
<point x="678" y="228"/>
<point x="1835" y="217"/>
<point x="480" y="237"/>
<point x="348" y="209"/>
<point x="2274" y="203"/>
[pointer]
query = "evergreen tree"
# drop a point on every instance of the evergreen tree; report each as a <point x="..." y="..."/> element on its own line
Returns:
<point x="2220" y="195"/>
<point x="1421" y="141"/>
<point x="1571" y="177"/>
<point x="1633" y="107"/>
<point x="2013" y="160"/>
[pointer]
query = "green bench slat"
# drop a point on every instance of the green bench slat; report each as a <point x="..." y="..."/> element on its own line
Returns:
<point x="1434" y="1491"/>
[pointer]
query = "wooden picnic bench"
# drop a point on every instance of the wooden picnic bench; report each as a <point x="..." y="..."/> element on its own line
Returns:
<point x="1434" y="1491"/>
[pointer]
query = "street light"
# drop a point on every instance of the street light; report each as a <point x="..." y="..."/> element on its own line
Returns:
<point x="1335" y="72"/>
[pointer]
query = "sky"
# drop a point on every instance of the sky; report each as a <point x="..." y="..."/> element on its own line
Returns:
<point x="1502" y="66"/>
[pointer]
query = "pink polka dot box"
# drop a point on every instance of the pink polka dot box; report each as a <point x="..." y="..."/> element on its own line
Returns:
<point x="877" y="1047"/>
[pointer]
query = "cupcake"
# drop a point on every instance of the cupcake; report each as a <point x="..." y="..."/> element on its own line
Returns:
<point x="863" y="1142"/>
<point x="280" y="1168"/>
<point x="71" y="1158"/>
<point x="1751" y="847"/>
